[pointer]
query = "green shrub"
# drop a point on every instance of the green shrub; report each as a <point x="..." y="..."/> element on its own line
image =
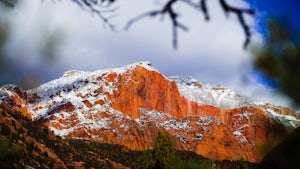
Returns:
<point x="4" y="148"/>
<point x="7" y="151"/>
<point x="161" y="157"/>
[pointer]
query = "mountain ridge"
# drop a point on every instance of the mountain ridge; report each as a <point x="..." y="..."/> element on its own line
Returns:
<point x="128" y="105"/>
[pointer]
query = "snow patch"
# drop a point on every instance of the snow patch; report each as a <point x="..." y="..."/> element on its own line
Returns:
<point x="207" y="120"/>
<point x="164" y="120"/>
<point x="237" y="133"/>
<point x="174" y="124"/>
<point x="244" y="115"/>
<point x="6" y="92"/>
<point x="62" y="132"/>
<point x="286" y="120"/>
<point x="181" y="138"/>
<point x="2" y="96"/>
<point x="206" y="94"/>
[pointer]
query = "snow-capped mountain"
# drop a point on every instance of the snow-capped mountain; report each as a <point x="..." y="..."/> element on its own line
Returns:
<point x="129" y="105"/>
<point x="218" y="95"/>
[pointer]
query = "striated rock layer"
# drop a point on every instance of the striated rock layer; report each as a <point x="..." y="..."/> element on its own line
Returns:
<point x="128" y="106"/>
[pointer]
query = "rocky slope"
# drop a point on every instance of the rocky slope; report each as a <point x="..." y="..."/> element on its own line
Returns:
<point x="129" y="105"/>
<point x="27" y="144"/>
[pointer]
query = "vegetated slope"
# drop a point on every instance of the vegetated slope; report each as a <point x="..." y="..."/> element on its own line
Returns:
<point x="129" y="105"/>
<point x="25" y="143"/>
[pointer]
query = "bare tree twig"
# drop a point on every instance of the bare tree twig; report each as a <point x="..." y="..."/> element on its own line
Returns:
<point x="93" y="7"/>
<point x="201" y="6"/>
<point x="239" y="12"/>
<point x="140" y="17"/>
<point x="204" y="9"/>
<point x="166" y="10"/>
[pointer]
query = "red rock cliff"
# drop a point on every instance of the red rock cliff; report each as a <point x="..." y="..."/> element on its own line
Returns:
<point x="129" y="106"/>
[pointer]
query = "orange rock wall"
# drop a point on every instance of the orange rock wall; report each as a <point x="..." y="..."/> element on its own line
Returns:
<point x="244" y="133"/>
<point x="150" y="90"/>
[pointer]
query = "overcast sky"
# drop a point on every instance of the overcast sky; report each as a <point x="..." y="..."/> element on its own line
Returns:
<point x="212" y="52"/>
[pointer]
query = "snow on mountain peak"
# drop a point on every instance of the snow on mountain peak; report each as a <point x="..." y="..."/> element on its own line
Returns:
<point x="218" y="95"/>
<point x="73" y="83"/>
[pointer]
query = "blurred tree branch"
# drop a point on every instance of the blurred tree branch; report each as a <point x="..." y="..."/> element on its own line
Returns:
<point x="9" y="3"/>
<point x="99" y="7"/>
<point x="240" y="14"/>
<point x="166" y="10"/>
<point x="173" y="14"/>
<point x="103" y="9"/>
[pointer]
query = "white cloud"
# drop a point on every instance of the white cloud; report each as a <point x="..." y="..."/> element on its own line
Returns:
<point x="210" y="51"/>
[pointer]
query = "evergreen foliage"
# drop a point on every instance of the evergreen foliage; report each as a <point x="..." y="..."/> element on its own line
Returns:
<point x="161" y="157"/>
<point x="9" y="151"/>
<point x="279" y="58"/>
<point x="163" y="151"/>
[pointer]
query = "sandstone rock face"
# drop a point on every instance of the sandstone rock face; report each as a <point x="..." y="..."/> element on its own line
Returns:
<point x="128" y="106"/>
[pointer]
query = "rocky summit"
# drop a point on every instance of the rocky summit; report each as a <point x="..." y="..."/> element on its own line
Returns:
<point x="129" y="105"/>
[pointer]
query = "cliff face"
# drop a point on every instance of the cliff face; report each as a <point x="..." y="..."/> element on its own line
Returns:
<point x="128" y="106"/>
